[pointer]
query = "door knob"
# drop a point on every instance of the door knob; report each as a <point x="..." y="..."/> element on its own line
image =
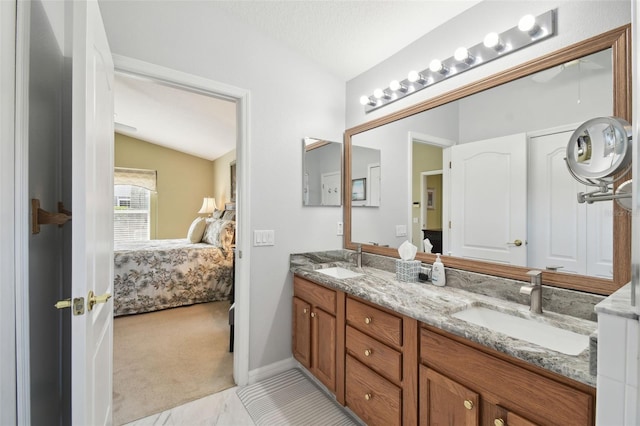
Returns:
<point x="94" y="300"/>
<point x="516" y="243"/>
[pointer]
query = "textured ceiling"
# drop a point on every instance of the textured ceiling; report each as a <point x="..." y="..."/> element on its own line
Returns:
<point x="346" y="37"/>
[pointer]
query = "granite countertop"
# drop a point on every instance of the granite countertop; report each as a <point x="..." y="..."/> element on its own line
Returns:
<point x="435" y="306"/>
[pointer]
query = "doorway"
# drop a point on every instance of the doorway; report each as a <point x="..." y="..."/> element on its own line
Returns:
<point x="207" y="87"/>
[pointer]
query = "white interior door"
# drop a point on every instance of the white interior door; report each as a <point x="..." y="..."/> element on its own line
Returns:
<point x="92" y="224"/>
<point x="489" y="200"/>
<point x="576" y="237"/>
<point x="331" y="183"/>
<point x="557" y="239"/>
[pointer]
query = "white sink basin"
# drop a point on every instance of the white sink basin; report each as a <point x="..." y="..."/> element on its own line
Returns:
<point x="340" y="273"/>
<point x="541" y="334"/>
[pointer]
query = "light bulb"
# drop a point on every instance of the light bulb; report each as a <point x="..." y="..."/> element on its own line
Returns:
<point x="364" y="100"/>
<point x="492" y="41"/>
<point x="378" y="93"/>
<point x="395" y="85"/>
<point x="437" y="66"/>
<point x="462" y="55"/>
<point x="527" y="24"/>
<point x="415" y="76"/>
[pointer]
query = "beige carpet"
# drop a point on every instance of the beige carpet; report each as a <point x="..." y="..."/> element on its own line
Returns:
<point x="166" y="358"/>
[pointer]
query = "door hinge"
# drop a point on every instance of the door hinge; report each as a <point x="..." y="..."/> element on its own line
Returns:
<point x="449" y="224"/>
<point x="449" y="164"/>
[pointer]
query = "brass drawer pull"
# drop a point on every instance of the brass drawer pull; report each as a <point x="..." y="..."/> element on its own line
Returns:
<point x="468" y="404"/>
<point x="498" y="422"/>
<point x="368" y="320"/>
<point x="313" y="314"/>
<point x="305" y="310"/>
<point x="368" y="396"/>
<point x="368" y="352"/>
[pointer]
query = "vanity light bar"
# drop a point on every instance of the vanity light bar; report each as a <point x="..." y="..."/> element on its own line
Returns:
<point x="529" y="30"/>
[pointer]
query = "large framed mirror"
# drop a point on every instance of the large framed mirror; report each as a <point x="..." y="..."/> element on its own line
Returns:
<point x="491" y="219"/>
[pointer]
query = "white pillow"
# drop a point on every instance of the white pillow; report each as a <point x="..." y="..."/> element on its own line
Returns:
<point x="196" y="230"/>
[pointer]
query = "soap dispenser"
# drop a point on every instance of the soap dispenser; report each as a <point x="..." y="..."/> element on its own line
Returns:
<point x="437" y="272"/>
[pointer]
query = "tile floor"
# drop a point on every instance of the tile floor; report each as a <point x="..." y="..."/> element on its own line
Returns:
<point x="220" y="409"/>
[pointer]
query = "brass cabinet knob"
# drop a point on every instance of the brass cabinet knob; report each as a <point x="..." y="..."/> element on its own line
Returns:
<point x="468" y="404"/>
<point x="368" y="352"/>
<point x="368" y="396"/>
<point x="305" y="310"/>
<point x="498" y="422"/>
<point x="313" y="314"/>
<point x="368" y="320"/>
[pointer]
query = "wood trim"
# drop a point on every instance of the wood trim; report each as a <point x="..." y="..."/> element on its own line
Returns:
<point x="340" y="346"/>
<point x="619" y="40"/>
<point x="410" y="378"/>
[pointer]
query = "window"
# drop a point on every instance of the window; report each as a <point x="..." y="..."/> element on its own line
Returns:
<point x="131" y="216"/>
<point x="132" y="204"/>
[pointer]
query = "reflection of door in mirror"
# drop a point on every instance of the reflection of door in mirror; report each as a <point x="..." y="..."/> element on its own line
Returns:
<point x="577" y="238"/>
<point x="322" y="173"/>
<point x="489" y="200"/>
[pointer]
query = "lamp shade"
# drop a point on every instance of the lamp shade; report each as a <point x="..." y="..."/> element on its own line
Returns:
<point x="208" y="206"/>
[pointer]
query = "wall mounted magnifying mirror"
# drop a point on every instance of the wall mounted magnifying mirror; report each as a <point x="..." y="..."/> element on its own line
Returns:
<point x="322" y="172"/>
<point x="526" y="113"/>
<point x="597" y="151"/>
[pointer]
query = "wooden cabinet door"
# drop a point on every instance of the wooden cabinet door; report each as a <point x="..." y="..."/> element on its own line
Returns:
<point x="301" y="333"/>
<point x="324" y="347"/>
<point x="495" y="415"/>
<point x="445" y="402"/>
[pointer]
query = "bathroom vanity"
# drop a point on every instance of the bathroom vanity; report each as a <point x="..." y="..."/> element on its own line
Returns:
<point x="394" y="353"/>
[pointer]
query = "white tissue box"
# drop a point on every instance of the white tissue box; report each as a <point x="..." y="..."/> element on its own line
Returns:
<point x="407" y="270"/>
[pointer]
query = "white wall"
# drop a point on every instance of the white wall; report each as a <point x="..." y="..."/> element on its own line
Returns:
<point x="290" y="97"/>
<point x="576" y="20"/>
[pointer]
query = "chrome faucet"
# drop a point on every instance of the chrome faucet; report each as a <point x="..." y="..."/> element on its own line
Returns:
<point x="359" y="256"/>
<point x="534" y="290"/>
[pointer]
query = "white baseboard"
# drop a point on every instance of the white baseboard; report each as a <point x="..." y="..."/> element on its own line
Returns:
<point x="271" y="370"/>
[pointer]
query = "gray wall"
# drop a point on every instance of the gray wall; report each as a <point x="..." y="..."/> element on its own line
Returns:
<point x="50" y="358"/>
<point x="201" y="38"/>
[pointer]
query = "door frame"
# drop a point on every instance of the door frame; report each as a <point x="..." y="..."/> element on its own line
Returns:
<point x="11" y="253"/>
<point x="242" y="97"/>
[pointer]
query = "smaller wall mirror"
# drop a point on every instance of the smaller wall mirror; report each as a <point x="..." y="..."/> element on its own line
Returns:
<point x="321" y="172"/>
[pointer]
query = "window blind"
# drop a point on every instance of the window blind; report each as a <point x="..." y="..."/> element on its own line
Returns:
<point x="135" y="177"/>
<point x="131" y="213"/>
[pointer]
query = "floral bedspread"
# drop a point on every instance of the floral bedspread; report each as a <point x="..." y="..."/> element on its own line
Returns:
<point x="160" y="274"/>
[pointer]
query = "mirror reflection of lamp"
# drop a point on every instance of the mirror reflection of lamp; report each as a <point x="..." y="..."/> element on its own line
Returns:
<point x="208" y="206"/>
<point x="599" y="149"/>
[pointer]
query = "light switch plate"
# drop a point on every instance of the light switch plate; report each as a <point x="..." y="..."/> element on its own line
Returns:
<point x="263" y="238"/>
<point x="401" y="230"/>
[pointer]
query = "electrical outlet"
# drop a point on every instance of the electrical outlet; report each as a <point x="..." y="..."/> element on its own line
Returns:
<point x="415" y="220"/>
<point x="401" y="230"/>
<point x="340" y="228"/>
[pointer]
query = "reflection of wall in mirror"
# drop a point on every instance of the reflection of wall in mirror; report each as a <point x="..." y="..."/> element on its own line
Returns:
<point x="318" y="162"/>
<point x="363" y="159"/>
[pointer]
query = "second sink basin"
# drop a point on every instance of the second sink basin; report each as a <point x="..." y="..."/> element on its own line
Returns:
<point x="545" y="335"/>
<point x="340" y="273"/>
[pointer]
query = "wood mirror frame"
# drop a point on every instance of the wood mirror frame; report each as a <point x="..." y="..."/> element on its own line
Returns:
<point x="619" y="41"/>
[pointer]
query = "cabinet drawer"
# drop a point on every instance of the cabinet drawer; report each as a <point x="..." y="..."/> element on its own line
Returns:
<point x="375" y="355"/>
<point x="517" y="389"/>
<point x="374" y="399"/>
<point x="375" y="322"/>
<point x="315" y="294"/>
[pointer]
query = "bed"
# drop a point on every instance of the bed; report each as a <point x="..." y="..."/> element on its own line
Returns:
<point x="160" y="274"/>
